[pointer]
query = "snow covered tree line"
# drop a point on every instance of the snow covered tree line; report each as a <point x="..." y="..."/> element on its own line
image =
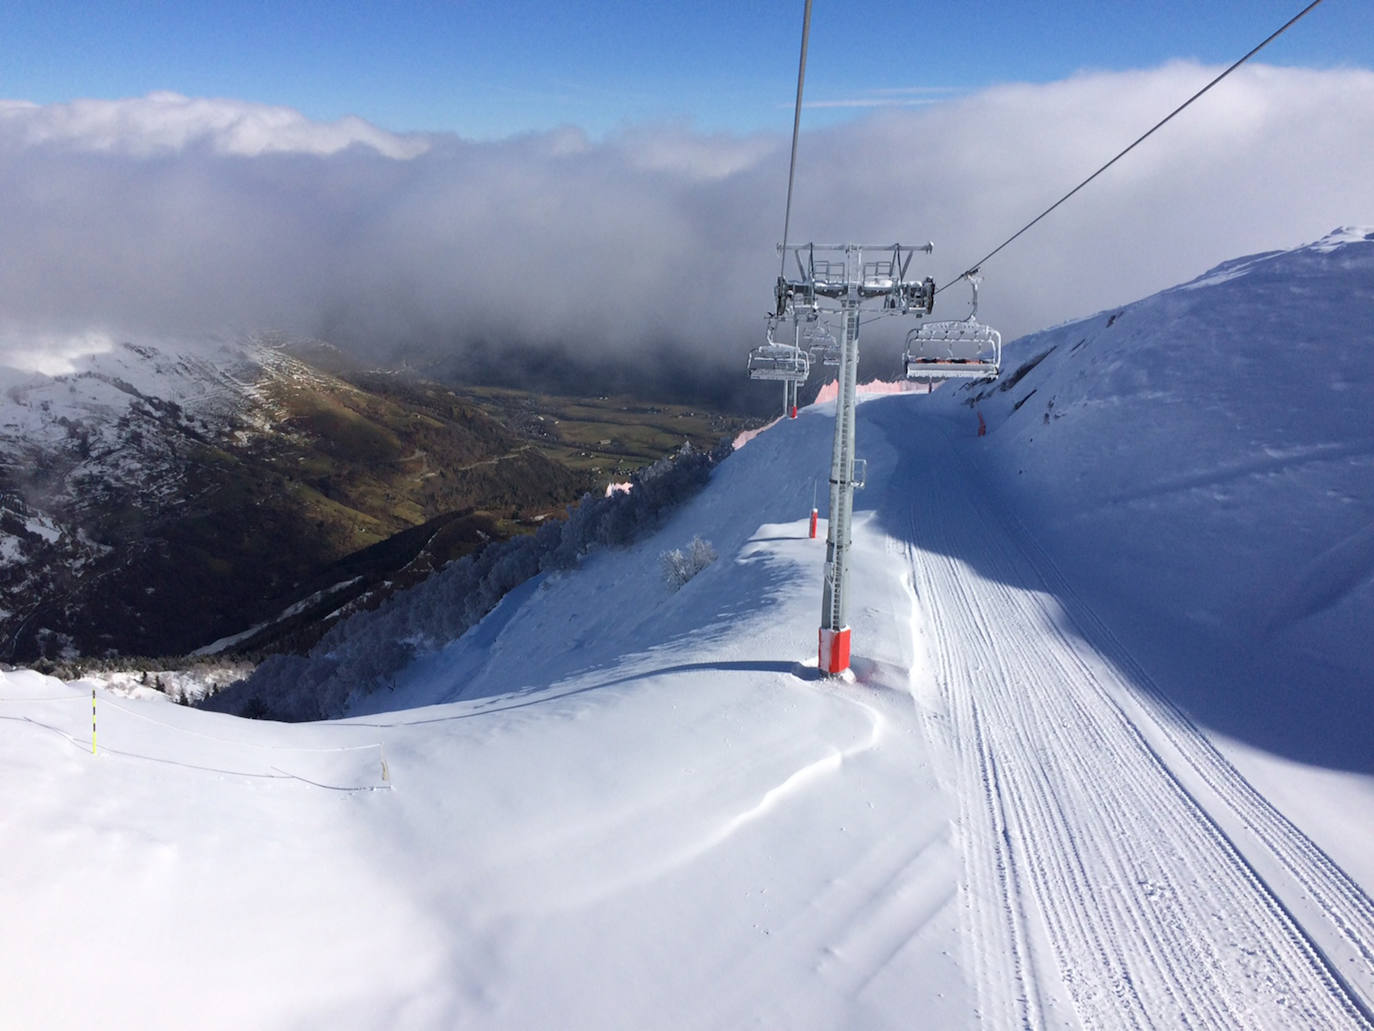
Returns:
<point x="680" y="566"/>
<point x="363" y="652"/>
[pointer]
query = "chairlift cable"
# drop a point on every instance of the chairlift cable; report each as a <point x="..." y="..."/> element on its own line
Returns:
<point x="796" y="130"/>
<point x="973" y="269"/>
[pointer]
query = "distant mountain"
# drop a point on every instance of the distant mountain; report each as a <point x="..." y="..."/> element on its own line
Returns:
<point x="157" y="499"/>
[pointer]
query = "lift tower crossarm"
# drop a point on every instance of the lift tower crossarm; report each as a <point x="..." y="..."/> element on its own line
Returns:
<point x="925" y="248"/>
<point x="833" y="279"/>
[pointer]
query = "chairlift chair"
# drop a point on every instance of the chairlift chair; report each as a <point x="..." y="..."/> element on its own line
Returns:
<point x="957" y="349"/>
<point x="773" y="360"/>
<point x="965" y="349"/>
<point x="820" y="343"/>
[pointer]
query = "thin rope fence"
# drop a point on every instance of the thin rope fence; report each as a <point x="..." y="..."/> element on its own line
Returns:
<point x="239" y="743"/>
<point x="275" y="772"/>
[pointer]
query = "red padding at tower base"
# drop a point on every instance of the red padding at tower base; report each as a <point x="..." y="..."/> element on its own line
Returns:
<point x="814" y="514"/>
<point x="834" y="650"/>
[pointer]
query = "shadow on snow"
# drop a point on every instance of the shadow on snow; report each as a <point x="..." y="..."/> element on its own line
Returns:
<point x="1245" y="687"/>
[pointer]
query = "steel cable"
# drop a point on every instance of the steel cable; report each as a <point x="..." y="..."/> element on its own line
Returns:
<point x="796" y="130"/>
<point x="972" y="269"/>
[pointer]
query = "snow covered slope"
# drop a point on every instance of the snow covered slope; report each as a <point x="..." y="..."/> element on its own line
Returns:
<point x="617" y="804"/>
<point x="643" y="811"/>
<point x="1207" y="454"/>
<point x="91" y="460"/>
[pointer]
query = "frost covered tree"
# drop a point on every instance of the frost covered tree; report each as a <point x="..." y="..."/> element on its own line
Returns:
<point x="680" y="566"/>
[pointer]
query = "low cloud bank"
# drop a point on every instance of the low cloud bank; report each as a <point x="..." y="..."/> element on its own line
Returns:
<point x="650" y="253"/>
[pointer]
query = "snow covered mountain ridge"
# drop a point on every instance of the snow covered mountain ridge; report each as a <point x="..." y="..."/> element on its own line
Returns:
<point x="159" y="496"/>
<point x="111" y="434"/>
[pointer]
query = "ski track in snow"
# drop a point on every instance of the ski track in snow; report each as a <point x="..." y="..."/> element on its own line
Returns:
<point x="1098" y="821"/>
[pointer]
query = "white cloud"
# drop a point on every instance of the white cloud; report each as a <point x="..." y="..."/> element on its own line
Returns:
<point x="166" y="215"/>
<point x="692" y="155"/>
<point x="871" y="101"/>
<point x="168" y="122"/>
<point x="50" y="354"/>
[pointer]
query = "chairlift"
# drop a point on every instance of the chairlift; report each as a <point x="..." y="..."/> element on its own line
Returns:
<point x="958" y="349"/>
<point x="774" y="360"/>
<point x="820" y="343"/>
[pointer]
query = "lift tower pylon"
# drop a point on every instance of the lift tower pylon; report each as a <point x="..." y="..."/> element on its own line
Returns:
<point x="842" y="284"/>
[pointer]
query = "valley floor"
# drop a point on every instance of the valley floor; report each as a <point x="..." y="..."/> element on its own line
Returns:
<point x="614" y="805"/>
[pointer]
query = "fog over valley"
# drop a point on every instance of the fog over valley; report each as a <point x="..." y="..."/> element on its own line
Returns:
<point x="642" y="260"/>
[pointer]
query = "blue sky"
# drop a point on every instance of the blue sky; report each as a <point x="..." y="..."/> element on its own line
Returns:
<point x="493" y="69"/>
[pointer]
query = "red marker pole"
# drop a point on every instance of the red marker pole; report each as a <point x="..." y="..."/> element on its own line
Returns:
<point x="814" y="514"/>
<point x="834" y="650"/>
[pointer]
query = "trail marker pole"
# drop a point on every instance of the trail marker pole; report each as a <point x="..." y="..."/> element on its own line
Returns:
<point x="92" y="721"/>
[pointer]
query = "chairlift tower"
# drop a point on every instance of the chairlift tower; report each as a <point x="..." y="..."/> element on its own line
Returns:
<point x="842" y="283"/>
